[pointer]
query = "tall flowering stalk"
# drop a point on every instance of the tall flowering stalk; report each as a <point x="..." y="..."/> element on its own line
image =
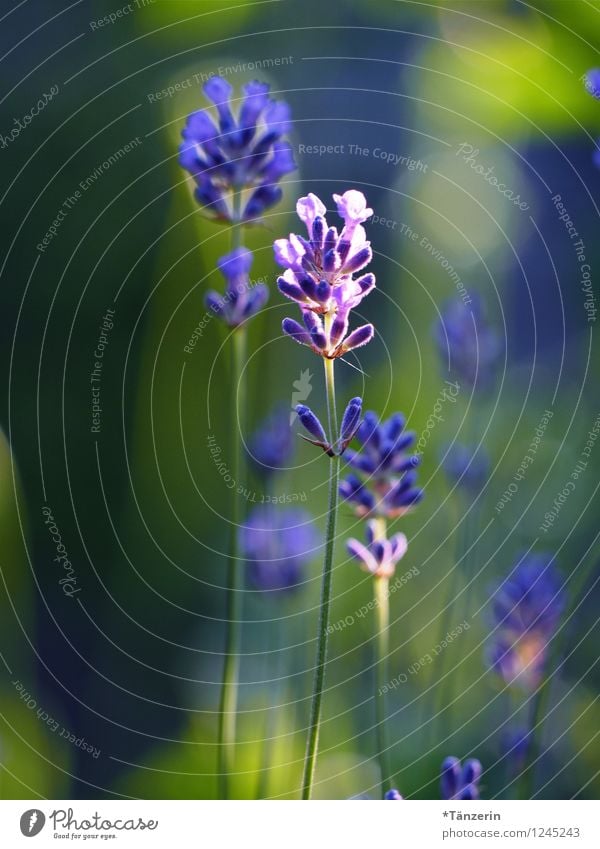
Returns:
<point x="236" y="164"/>
<point x="468" y="347"/>
<point x="319" y="277"/>
<point x="385" y="490"/>
<point x="527" y="608"/>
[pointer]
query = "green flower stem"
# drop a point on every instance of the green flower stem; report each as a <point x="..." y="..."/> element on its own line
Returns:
<point x="229" y="690"/>
<point x="315" y="711"/>
<point x="382" y="614"/>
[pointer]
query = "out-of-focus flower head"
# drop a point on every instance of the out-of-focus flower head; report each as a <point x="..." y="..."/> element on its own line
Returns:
<point x="278" y="544"/>
<point x="380" y="555"/>
<point x="244" y="153"/>
<point x="272" y="445"/>
<point x="592" y="82"/>
<point x="526" y="609"/>
<point x="468" y="346"/>
<point x="241" y="300"/>
<point x="338" y="444"/>
<point x="465" y="467"/>
<point x="458" y="781"/>
<point x="393" y="794"/>
<point x="319" y="275"/>
<point x="386" y="486"/>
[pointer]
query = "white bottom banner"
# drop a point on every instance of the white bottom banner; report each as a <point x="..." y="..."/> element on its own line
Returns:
<point x="273" y="825"/>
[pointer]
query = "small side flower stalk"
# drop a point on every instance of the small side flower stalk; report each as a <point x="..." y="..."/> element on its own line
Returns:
<point x="236" y="158"/>
<point x="320" y="278"/>
<point x="348" y="428"/>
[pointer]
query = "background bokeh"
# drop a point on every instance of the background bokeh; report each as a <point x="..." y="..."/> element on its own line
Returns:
<point x="131" y="664"/>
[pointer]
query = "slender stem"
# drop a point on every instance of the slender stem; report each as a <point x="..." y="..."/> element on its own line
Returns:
<point x="312" y="742"/>
<point x="229" y="690"/>
<point x="381" y="598"/>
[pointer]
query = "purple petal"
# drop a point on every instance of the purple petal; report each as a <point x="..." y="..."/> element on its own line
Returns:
<point x="350" y="419"/>
<point x="296" y="331"/>
<point x="360" y="336"/>
<point x="311" y="422"/>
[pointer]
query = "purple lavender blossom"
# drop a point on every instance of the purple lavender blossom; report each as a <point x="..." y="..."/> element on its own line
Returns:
<point x="380" y="555"/>
<point x="278" y="544"/>
<point x="245" y="153"/>
<point x="393" y="794"/>
<point x="241" y="300"/>
<point x="319" y="275"/>
<point x="527" y="608"/>
<point x="388" y="488"/>
<point x="468" y="345"/>
<point x="460" y="782"/>
<point x="348" y="428"/>
<point x="465" y="467"/>
<point x="272" y="445"/>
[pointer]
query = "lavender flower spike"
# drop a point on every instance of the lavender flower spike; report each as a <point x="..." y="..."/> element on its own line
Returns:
<point x="380" y="555"/>
<point x="388" y="468"/>
<point x="460" y="782"/>
<point x="241" y="300"/>
<point x="243" y="154"/>
<point x="319" y="275"/>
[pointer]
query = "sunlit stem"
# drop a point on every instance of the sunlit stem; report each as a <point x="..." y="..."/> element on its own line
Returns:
<point x="312" y="743"/>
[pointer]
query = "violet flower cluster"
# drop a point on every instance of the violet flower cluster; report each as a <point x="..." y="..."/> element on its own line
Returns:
<point x="319" y="275"/>
<point x="386" y="483"/>
<point x="241" y="299"/>
<point x="527" y="608"/>
<point x="243" y="153"/>
<point x="379" y="555"/>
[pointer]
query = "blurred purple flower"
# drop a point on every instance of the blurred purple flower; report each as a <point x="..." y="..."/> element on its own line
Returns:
<point x="241" y="300"/>
<point x="272" y="445"/>
<point x="460" y="782"/>
<point x="244" y="153"/>
<point x="393" y="794"/>
<point x="388" y="488"/>
<point x="319" y="275"/>
<point x="527" y="608"/>
<point x="380" y="555"/>
<point x="465" y="467"/>
<point x="468" y="345"/>
<point x="592" y="82"/>
<point x="278" y="544"/>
